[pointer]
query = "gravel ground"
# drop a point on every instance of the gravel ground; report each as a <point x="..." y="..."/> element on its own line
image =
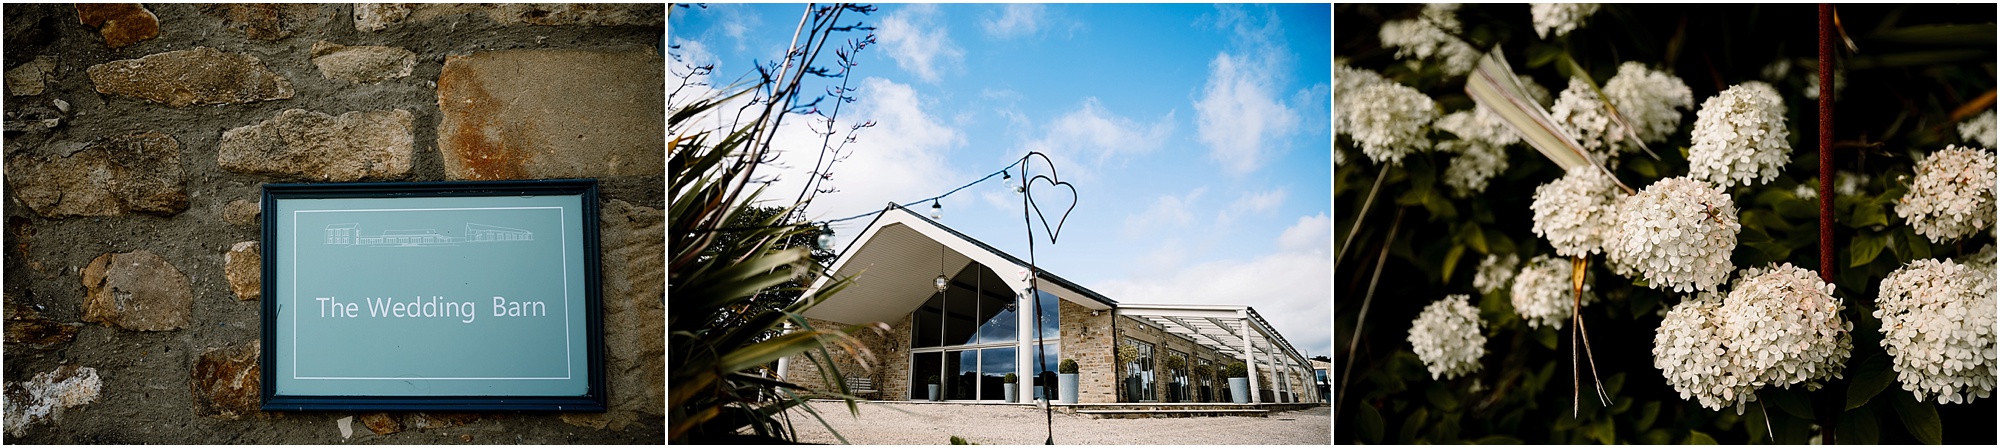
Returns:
<point x="934" y="424"/>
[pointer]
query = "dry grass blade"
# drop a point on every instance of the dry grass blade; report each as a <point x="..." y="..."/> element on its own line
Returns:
<point x="1493" y="85"/>
<point x="1579" y="266"/>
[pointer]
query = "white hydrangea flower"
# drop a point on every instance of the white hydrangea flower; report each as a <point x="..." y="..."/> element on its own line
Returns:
<point x="1446" y="337"/>
<point x="1574" y="212"/>
<point x="1740" y="136"/>
<point x="1778" y="327"/>
<point x="1979" y="129"/>
<point x="1393" y="125"/>
<point x="1648" y="100"/>
<point x="1952" y="195"/>
<point x="1481" y="148"/>
<point x="1984" y="260"/>
<point x="1583" y="115"/>
<point x="1495" y="272"/>
<point x="1429" y="37"/>
<point x="1807" y="191"/>
<point x="1559" y="17"/>
<point x="1677" y="234"/>
<point x="1937" y="326"/>
<point x="1543" y="292"/>
<point x="1346" y="82"/>
<point x="1849" y="183"/>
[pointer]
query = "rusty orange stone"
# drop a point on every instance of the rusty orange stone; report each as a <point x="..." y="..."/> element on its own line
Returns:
<point x="121" y="24"/>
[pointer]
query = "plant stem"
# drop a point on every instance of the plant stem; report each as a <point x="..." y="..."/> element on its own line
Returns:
<point x="1351" y="231"/>
<point x="1827" y="419"/>
<point x="1353" y="342"/>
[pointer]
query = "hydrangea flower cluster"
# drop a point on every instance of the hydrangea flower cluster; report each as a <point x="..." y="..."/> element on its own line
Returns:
<point x="1740" y="136"/>
<point x="1583" y="115"/>
<point x="1648" y="100"/>
<point x="1676" y="233"/>
<point x="1979" y="129"/>
<point x="1937" y="326"/>
<point x="1559" y="17"/>
<point x="1495" y="272"/>
<point x="1481" y="148"/>
<point x="1346" y="82"/>
<point x="1985" y="260"/>
<point x="1446" y="337"/>
<point x="1574" y="212"/>
<point x="1392" y="126"/>
<point x="1779" y="326"/>
<point x="1543" y="292"/>
<point x="1431" y="36"/>
<point x="1952" y="195"/>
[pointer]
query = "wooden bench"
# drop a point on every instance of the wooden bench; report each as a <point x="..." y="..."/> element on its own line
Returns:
<point x="862" y="387"/>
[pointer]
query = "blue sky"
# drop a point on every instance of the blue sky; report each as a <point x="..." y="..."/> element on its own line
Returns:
<point x="1196" y="135"/>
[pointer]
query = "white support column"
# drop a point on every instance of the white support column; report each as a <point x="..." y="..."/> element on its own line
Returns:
<point x="1249" y="357"/>
<point x="1024" y="355"/>
<point x="785" y="363"/>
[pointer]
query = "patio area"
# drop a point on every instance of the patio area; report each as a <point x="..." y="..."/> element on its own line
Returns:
<point x="883" y="423"/>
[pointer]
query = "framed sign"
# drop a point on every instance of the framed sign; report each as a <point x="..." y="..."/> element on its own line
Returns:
<point x="434" y="296"/>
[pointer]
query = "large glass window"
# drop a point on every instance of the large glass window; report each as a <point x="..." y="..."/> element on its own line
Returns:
<point x="964" y="368"/>
<point x="1046" y="368"/>
<point x="994" y="365"/>
<point x="923" y="368"/>
<point x="1139" y="373"/>
<point x="1051" y="315"/>
<point x="927" y="323"/>
<point x="1177" y="387"/>
<point x="1000" y="318"/>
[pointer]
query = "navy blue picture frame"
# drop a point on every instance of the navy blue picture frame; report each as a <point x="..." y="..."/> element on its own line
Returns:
<point x="594" y="400"/>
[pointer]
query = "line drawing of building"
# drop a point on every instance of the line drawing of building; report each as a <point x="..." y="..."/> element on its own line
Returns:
<point x="349" y="234"/>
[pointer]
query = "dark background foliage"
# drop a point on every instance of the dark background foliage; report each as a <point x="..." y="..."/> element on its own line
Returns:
<point x="1915" y="66"/>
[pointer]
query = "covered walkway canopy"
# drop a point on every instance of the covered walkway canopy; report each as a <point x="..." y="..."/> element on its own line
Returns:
<point x="1235" y="330"/>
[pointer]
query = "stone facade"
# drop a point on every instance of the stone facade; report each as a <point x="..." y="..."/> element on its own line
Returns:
<point x="889" y="365"/>
<point x="1088" y="340"/>
<point x="138" y="138"/>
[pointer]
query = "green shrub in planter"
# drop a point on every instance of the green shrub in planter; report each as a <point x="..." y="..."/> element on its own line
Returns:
<point x="1067" y="366"/>
<point x="934" y="379"/>
<point x="1236" y="370"/>
<point x="1009" y="378"/>
<point x="1174" y="363"/>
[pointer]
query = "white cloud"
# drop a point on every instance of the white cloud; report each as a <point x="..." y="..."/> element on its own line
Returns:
<point x="1015" y="20"/>
<point x="1097" y="136"/>
<point x="918" y="43"/>
<point x="1290" y="286"/>
<point x="1166" y="212"/>
<point x="1242" y="114"/>
<point x="902" y="156"/>
<point x="1254" y="202"/>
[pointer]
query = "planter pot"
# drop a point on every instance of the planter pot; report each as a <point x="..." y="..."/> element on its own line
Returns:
<point x="1039" y="394"/>
<point x="934" y="392"/>
<point x="1010" y="391"/>
<point x="1239" y="390"/>
<point x="1066" y="385"/>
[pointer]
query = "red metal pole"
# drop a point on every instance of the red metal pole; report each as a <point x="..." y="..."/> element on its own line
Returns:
<point x="1826" y="142"/>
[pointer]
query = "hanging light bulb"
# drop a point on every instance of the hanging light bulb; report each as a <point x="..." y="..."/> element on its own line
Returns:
<point x="937" y="211"/>
<point x="940" y="282"/>
<point x="825" y="239"/>
<point x="1020" y="189"/>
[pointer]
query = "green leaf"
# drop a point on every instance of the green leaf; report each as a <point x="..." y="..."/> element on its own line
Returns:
<point x="1542" y="54"/>
<point x="1921" y="418"/>
<point x="1920" y="247"/>
<point x="1546" y="336"/>
<point x="1413" y="425"/>
<point x="1471" y="235"/>
<point x="1451" y="261"/>
<point x="1497" y="440"/>
<point x="1369" y="421"/>
<point x="1643" y="166"/>
<point x="1866" y="215"/>
<point x="1870" y="376"/>
<point x="1865" y="247"/>
<point x="1657" y="436"/>
<point x="1604" y="432"/>
<point x="1441" y="397"/>
<point x="1439" y="207"/>
<point x="1647" y="413"/>
<point x="1792" y="401"/>
<point x="1498" y="242"/>
<point x="1857" y="427"/>
<point x="1698" y="438"/>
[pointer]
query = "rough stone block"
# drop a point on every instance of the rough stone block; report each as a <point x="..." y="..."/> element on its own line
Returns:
<point x="183" y="78"/>
<point x="243" y="265"/>
<point x="138" y="172"/>
<point x="242" y="212"/>
<point x="360" y="64"/>
<point x="226" y="381"/>
<point x="634" y="315"/>
<point x="316" y="146"/>
<point x="121" y="24"/>
<point x="266" y="21"/>
<point x="380" y="16"/>
<point x="381" y="423"/>
<point x="136" y="291"/>
<point x="25" y="326"/>
<point x="537" y="114"/>
<point x="44" y="397"/>
<point x="31" y="78"/>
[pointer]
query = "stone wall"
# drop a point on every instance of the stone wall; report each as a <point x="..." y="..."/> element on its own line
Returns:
<point x="1087" y="339"/>
<point x="1162" y="341"/>
<point x="136" y="140"/>
<point x="888" y="363"/>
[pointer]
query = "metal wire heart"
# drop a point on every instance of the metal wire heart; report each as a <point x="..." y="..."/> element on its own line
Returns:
<point x="1055" y="231"/>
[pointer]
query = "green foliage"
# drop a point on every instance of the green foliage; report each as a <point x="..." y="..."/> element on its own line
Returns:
<point x="1902" y="89"/>
<point x="1010" y="378"/>
<point x="1066" y="366"/>
<point x="1236" y="370"/>
<point x="956" y="440"/>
